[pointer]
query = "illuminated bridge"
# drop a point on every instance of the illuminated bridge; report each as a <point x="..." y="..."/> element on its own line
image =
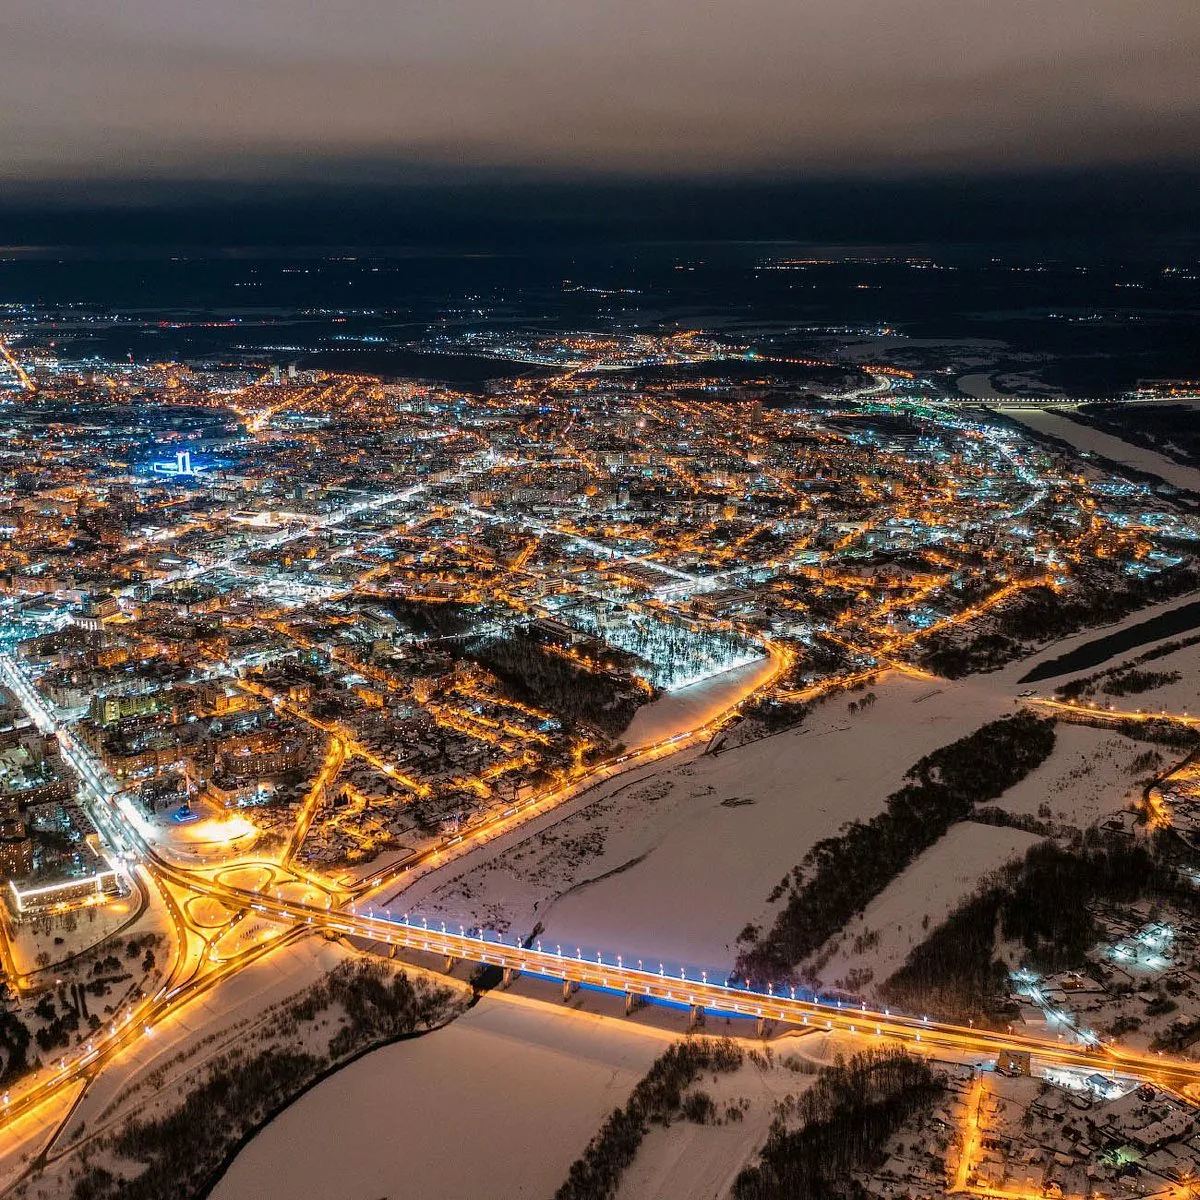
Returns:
<point x="718" y="998"/>
<point x="636" y="983"/>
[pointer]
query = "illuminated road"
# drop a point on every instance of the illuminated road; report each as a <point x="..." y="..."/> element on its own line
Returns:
<point x="719" y="998"/>
<point x="134" y="1022"/>
<point x="1092" y="712"/>
<point x="193" y="973"/>
<point x="972" y="1135"/>
<point x="22" y="375"/>
<point x="335" y="756"/>
<point x="599" y="549"/>
<point x="306" y="529"/>
<point x="113" y="816"/>
<point x="877" y="387"/>
<point x="472" y="836"/>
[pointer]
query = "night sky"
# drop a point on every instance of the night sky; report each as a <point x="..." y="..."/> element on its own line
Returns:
<point x="108" y="102"/>
<point x="237" y="88"/>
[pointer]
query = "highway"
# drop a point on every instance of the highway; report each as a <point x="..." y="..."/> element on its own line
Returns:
<point x="192" y="974"/>
<point x="717" y="997"/>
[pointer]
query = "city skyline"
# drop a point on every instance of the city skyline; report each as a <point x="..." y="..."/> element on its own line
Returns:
<point x="599" y="600"/>
<point x="522" y="646"/>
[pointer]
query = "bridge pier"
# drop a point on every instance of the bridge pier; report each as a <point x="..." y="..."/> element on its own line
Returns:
<point x="450" y="961"/>
<point x="697" y="1016"/>
<point x="634" y="1001"/>
<point x="510" y="973"/>
<point x="569" y="989"/>
<point x="760" y="1027"/>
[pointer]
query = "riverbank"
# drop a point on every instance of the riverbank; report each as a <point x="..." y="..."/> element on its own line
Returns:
<point x="1093" y="653"/>
<point x="1093" y="441"/>
<point x="521" y="1088"/>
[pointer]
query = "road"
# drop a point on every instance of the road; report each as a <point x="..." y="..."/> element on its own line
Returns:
<point x="190" y="976"/>
<point x="291" y="534"/>
<point x="335" y="756"/>
<point x="724" y="999"/>
<point x="23" y="377"/>
<point x="458" y="845"/>
<point x="1092" y="712"/>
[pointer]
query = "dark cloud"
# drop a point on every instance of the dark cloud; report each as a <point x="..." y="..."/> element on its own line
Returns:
<point x="261" y="89"/>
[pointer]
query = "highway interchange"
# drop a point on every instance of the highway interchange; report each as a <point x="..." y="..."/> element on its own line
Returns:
<point x="198" y="968"/>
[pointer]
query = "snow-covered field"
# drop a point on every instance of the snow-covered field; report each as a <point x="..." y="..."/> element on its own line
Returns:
<point x="1089" y="776"/>
<point x="1180" y="696"/>
<point x="693" y="706"/>
<point x="965" y="352"/>
<point x="700" y="1162"/>
<point x="674" y="865"/>
<point x="1000" y="386"/>
<point x="978" y="385"/>
<point x="77" y="932"/>
<point x="1083" y="437"/>
<point x="874" y="945"/>
<point x="496" y="1105"/>
<point x="201" y="1030"/>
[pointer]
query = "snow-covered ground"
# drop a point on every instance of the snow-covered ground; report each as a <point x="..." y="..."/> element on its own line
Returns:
<point x="966" y="352"/>
<point x="674" y="865"/>
<point x="498" y="1105"/>
<point x="213" y="835"/>
<point x="1003" y="385"/>
<point x="1179" y="696"/>
<point x="62" y="937"/>
<point x="25" y="1137"/>
<point x="1083" y="437"/>
<point x="252" y="1011"/>
<point x="700" y="1162"/>
<point x="693" y="706"/>
<point x="978" y="385"/>
<point x="201" y="1030"/>
<point x="876" y="944"/>
<point x="1089" y="776"/>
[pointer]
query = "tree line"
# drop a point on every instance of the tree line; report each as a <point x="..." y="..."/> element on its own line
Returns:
<point x="840" y="875"/>
<point x="657" y="1098"/>
<point x="1043" y="903"/>
<point x="845" y="1118"/>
